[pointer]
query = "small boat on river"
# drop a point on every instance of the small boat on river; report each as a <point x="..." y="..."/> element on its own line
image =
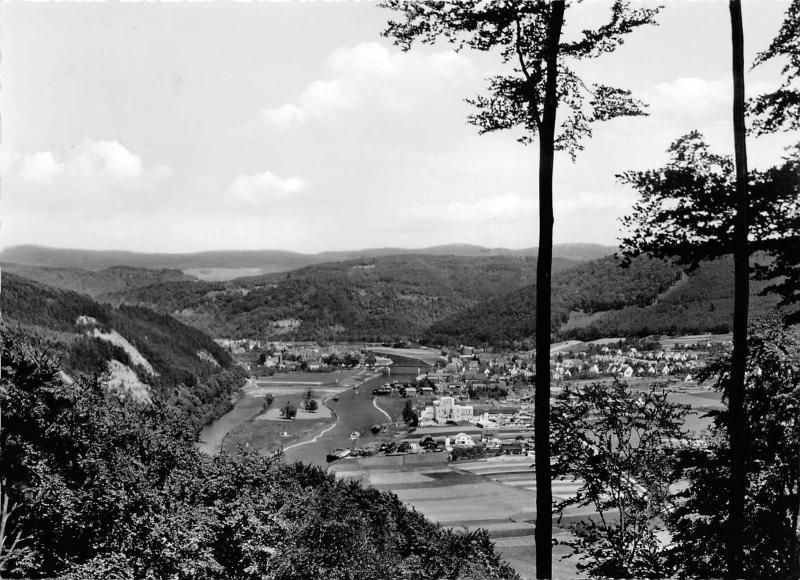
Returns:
<point x="338" y="454"/>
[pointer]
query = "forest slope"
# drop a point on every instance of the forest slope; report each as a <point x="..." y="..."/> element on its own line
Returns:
<point x="171" y="359"/>
<point x="601" y="299"/>
<point x="95" y="283"/>
<point x="368" y="299"/>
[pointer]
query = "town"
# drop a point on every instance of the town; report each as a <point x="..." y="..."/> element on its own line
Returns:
<point x="476" y="402"/>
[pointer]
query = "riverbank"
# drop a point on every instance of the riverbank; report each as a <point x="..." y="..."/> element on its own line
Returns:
<point x="213" y="434"/>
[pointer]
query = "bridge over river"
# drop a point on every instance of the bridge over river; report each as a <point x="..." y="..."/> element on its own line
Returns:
<point x="409" y="357"/>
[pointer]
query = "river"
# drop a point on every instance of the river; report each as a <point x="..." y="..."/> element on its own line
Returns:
<point x="353" y="409"/>
<point x="354" y="412"/>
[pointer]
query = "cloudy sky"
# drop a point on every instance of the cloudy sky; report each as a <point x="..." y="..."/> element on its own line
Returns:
<point x="183" y="127"/>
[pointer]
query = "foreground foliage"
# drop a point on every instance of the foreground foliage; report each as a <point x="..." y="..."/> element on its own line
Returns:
<point x="103" y="487"/>
<point x="772" y="503"/>
<point x="623" y="445"/>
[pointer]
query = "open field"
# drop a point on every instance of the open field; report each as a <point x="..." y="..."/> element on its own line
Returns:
<point x="498" y="495"/>
<point x="274" y="412"/>
<point x="272" y="435"/>
<point x="332" y="377"/>
<point x="394" y="405"/>
<point x="697" y="338"/>
<point x="269" y="433"/>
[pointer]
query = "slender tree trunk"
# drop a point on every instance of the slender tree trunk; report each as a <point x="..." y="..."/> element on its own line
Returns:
<point x="544" y="492"/>
<point x="736" y="418"/>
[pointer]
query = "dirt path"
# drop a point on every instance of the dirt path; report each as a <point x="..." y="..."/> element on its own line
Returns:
<point x="314" y="440"/>
<point x="375" y="403"/>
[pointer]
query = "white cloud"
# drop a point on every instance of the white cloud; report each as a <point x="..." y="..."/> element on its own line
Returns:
<point x="589" y="202"/>
<point x="505" y="207"/>
<point x="265" y="187"/>
<point x="90" y="177"/>
<point x="89" y="159"/>
<point x="500" y="207"/>
<point x="369" y="74"/>
<point x="109" y="157"/>
<point x="283" y="116"/>
<point x="41" y="168"/>
<point x="697" y="98"/>
<point x="688" y="96"/>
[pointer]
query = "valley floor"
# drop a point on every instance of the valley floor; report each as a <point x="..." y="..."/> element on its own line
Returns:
<point x="497" y="494"/>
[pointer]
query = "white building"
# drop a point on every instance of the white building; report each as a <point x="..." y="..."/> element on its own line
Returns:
<point x="427" y="414"/>
<point x="447" y="410"/>
<point x="462" y="440"/>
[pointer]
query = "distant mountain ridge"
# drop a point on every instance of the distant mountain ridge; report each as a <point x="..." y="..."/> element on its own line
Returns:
<point x="229" y="264"/>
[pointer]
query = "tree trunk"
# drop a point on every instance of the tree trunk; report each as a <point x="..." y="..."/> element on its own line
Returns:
<point x="736" y="418"/>
<point x="544" y="492"/>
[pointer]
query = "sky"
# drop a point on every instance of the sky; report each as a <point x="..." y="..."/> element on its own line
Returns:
<point x="180" y="127"/>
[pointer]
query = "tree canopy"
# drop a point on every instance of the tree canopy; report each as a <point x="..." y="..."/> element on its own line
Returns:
<point x="772" y="507"/>
<point x="685" y="212"/>
<point x="780" y="109"/>
<point x="517" y="30"/>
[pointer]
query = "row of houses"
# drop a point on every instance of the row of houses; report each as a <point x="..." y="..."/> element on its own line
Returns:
<point x="626" y="363"/>
<point x="625" y="371"/>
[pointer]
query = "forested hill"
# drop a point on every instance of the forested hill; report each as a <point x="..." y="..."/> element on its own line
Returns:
<point x="154" y="353"/>
<point x="96" y="282"/>
<point x="601" y="299"/>
<point x="441" y="299"/>
<point x="367" y="299"/>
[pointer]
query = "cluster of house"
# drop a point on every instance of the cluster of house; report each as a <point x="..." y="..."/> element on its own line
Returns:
<point x="505" y="417"/>
<point x="238" y="346"/>
<point x="295" y="355"/>
<point x="512" y="414"/>
<point x="504" y="445"/>
<point x="627" y="363"/>
<point x="468" y="363"/>
<point x="457" y="374"/>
